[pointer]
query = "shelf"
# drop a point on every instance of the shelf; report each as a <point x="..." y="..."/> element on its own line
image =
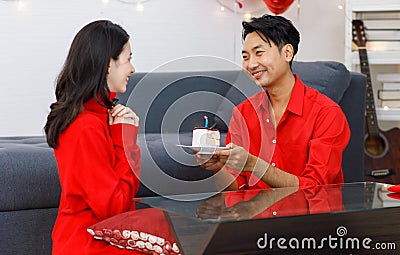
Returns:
<point x="374" y="5"/>
<point x="383" y="52"/>
<point x="392" y="114"/>
<point x="380" y="52"/>
<point x="378" y="57"/>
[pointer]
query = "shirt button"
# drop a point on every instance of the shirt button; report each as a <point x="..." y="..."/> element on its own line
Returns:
<point x="273" y="164"/>
<point x="274" y="213"/>
<point x="274" y="141"/>
<point x="267" y="120"/>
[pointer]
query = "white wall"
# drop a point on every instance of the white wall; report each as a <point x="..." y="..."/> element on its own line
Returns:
<point x="35" y="37"/>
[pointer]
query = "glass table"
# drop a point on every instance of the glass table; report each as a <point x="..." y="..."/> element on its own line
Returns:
<point x="356" y="218"/>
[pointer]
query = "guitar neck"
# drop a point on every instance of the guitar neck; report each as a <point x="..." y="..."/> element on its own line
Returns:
<point x="370" y="112"/>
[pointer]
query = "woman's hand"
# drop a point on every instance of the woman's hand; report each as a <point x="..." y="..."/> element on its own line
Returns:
<point x="122" y="114"/>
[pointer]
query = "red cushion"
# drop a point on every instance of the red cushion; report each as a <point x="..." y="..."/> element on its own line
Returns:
<point x="144" y="230"/>
<point x="394" y="188"/>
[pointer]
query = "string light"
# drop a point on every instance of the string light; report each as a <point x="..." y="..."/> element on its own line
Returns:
<point x="139" y="6"/>
<point x="247" y="16"/>
<point x="241" y="6"/>
<point x="21" y="5"/>
<point x="298" y="8"/>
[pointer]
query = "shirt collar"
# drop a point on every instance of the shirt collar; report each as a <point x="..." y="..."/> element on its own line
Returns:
<point x="93" y="106"/>
<point x="296" y="100"/>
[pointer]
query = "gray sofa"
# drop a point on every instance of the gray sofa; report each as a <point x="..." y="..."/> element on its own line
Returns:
<point x="170" y="105"/>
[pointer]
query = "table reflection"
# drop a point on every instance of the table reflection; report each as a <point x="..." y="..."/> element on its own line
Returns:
<point x="254" y="204"/>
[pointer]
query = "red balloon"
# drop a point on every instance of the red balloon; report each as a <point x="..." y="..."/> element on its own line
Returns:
<point x="278" y="6"/>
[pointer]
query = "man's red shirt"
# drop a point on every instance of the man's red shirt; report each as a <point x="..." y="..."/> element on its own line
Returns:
<point x="308" y="141"/>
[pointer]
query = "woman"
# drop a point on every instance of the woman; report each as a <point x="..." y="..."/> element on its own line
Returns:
<point x="94" y="140"/>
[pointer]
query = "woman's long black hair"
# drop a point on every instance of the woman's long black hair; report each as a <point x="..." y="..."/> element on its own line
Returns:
<point x="84" y="75"/>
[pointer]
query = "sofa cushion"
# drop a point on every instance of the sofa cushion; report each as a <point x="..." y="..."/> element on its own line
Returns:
<point x="167" y="169"/>
<point x="29" y="177"/>
<point x="328" y="77"/>
<point x="175" y="101"/>
<point x="144" y="230"/>
<point x="27" y="231"/>
<point x="240" y="89"/>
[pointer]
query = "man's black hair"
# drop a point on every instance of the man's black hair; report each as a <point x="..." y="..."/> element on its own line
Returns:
<point x="277" y="29"/>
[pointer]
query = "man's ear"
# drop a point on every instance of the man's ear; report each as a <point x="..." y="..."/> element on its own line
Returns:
<point x="288" y="52"/>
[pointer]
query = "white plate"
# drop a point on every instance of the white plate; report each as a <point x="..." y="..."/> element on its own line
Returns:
<point x="203" y="150"/>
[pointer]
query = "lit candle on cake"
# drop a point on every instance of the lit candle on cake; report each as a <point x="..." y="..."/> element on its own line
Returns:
<point x="205" y="137"/>
<point x="205" y="121"/>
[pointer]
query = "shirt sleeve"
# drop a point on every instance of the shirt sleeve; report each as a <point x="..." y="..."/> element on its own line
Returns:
<point x="127" y="151"/>
<point x="330" y="137"/>
<point x="235" y="136"/>
<point x="106" y="179"/>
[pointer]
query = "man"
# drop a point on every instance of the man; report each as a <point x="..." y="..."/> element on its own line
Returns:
<point x="309" y="133"/>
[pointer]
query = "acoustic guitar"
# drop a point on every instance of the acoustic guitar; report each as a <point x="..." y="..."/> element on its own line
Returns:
<point x="382" y="149"/>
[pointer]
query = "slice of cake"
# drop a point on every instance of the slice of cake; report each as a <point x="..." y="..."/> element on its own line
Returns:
<point x="204" y="137"/>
